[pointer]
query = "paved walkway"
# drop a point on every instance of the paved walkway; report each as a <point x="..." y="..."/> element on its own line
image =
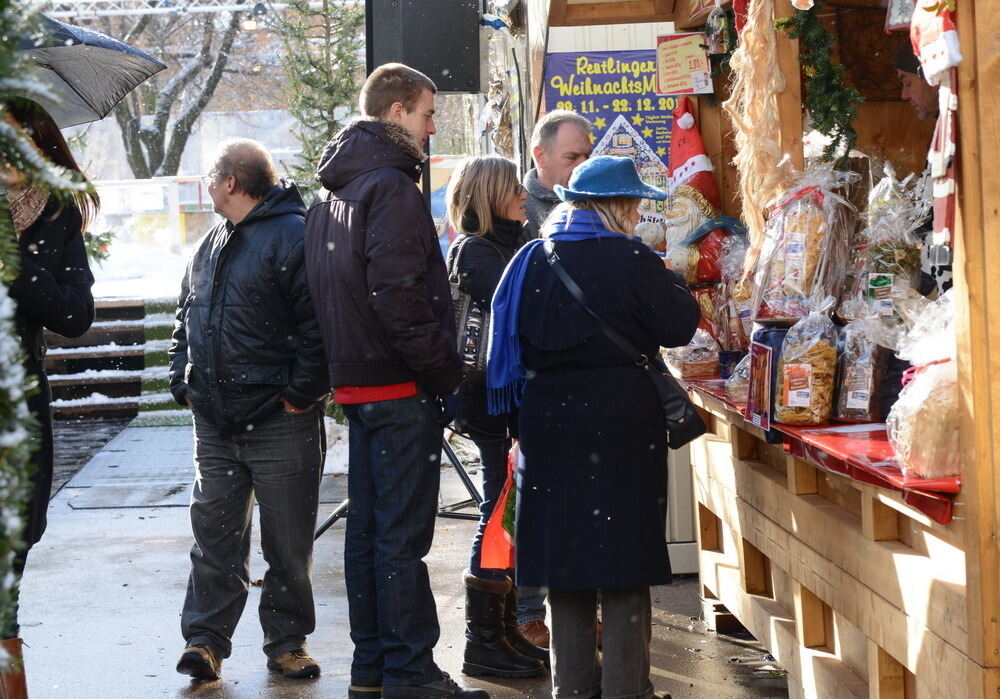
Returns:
<point x="102" y="596"/>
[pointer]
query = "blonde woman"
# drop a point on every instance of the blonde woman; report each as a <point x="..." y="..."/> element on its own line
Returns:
<point x="486" y="206"/>
<point x="592" y="490"/>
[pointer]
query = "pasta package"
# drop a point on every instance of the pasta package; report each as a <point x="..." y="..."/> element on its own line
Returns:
<point x="736" y="292"/>
<point x="806" y="369"/>
<point x="860" y="370"/>
<point x="923" y="424"/>
<point x="738" y="384"/>
<point x="805" y="252"/>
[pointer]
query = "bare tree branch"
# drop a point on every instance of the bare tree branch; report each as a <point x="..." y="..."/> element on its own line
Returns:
<point x="182" y="127"/>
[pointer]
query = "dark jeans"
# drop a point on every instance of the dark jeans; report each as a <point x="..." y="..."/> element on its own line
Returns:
<point x="40" y="487"/>
<point x="493" y="457"/>
<point x="392" y="483"/>
<point x="280" y="461"/>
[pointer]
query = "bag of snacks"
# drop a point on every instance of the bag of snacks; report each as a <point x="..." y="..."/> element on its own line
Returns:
<point x="737" y="292"/>
<point x="860" y="372"/>
<point x="923" y="424"/>
<point x="738" y="384"/>
<point x="698" y="359"/>
<point x="804" y="394"/>
<point x="806" y="245"/>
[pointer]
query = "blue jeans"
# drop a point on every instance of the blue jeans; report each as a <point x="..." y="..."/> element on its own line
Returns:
<point x="531" y="604"/>
<point x="493" y="456"/>
<point x="279" y="463"/>
<point x="392" y="482"/>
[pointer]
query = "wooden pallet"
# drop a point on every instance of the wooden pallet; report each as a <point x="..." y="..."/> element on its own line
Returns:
<point x="853" y="591"/>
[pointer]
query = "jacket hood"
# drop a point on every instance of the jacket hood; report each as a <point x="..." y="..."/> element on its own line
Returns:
<point x="537" y="189"/>
<point x="367" y="145"/>
<point x="282" y="199"/>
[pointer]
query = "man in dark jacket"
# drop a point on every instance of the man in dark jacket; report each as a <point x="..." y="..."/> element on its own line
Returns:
<point x="384" y="305"/>
<point x="248" y="358"/>
<point x="560" y="142"/>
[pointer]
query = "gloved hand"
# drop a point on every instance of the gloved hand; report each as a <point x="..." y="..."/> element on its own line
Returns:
<point x="448" y="404"/>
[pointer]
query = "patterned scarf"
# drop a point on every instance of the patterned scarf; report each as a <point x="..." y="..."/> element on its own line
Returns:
<point x="26" y="205"/>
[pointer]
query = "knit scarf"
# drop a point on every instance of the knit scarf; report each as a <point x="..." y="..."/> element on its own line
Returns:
<point x="505" y="372"/>
<point x="26" y="205"/>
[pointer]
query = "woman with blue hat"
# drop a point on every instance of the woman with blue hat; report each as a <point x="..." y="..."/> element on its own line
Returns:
<point x="592" y="491"/>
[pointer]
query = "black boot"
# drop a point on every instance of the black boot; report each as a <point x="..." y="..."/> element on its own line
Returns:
<point x="513" y="634"/>
<point x="486" y="649"/>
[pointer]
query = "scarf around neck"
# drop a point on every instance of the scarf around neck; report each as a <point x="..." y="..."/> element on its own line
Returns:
<point x="505" y="372"/>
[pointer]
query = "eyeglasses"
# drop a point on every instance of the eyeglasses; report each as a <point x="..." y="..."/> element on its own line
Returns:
<point x="213" y="178"/>
<point x="519" y="190"/>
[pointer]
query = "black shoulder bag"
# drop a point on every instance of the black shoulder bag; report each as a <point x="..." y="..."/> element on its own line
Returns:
<point x="473" y="323"/>
<point x="684" y="424"/>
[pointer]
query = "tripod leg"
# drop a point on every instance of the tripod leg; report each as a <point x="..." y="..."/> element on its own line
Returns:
<point x="462" y="473"/>
<point x="338" y="512"/>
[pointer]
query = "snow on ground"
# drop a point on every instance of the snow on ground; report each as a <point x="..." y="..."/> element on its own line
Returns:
<point x="336" y="448"/>
<point x="136" y="270"/>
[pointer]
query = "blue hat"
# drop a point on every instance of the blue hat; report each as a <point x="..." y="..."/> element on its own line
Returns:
<point x="607" y="176"/>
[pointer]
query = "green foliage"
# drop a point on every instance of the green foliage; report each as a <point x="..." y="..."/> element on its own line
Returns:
<point x="831" y="103"/>
<point x="18" y="160"/>
<point x="324" y="63"/>
<point x="98" y="245"/>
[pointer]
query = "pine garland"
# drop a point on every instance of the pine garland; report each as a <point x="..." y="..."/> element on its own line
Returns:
<point x="831" y="103"/>
<point x="18" y="157"/>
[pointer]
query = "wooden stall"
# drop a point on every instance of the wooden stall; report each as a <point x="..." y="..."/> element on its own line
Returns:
<point x="861" y="586"/>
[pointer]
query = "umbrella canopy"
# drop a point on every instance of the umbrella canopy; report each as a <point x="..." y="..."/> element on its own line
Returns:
<point x="88" y="72"/>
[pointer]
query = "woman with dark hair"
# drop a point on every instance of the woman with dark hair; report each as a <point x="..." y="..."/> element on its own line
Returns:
<point x="486" y="205"/>
<point x="592" y="490"/>
<point x="52" y="290"/>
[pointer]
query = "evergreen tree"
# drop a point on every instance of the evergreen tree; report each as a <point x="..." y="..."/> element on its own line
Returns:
<point x="323" y="59"/>
<point x="20" y="162"/>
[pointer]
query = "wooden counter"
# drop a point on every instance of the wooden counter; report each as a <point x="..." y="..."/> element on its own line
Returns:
<point x="855" y="592"/>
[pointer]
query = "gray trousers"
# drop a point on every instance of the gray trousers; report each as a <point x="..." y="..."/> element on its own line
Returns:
<point x="280" y="462"/>
<point x="577" y="670"/>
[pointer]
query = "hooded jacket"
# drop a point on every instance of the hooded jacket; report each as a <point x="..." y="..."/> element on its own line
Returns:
<point x="246" y="333"/>
<point x="375" y="266"/>
<point x="539" y="204"/>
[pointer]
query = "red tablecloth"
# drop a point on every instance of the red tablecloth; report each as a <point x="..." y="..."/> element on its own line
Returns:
<point x="860" y="452"/>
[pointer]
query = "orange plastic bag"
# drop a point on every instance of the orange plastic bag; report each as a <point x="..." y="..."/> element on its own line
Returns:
<point x="498" y="538"/>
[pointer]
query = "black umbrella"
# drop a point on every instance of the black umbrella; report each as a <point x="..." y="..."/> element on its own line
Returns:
<point x="88" y="72"/>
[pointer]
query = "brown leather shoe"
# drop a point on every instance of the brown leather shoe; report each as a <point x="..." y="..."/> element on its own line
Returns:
<point x="535" y="632"/>
<point x="297" y="664"/>
<point x="200" y="662"/>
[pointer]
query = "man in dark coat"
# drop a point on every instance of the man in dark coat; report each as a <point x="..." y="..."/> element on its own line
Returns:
<point x="560" y="142"/>
<point x="384" y="303"/>
<point x="248" y="358"/>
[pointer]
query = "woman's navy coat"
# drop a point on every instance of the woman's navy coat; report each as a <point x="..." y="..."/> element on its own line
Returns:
<point x="593" y="490"/>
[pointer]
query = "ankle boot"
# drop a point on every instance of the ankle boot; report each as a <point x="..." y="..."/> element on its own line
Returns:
<point x="487" y="651"/>
<point x="513" y="633"/>
<point x="12" y="680"/>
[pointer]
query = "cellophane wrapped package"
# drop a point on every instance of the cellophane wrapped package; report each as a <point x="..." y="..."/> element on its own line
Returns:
<point x="860" y="369"/>
<point x="884" y="274"/>
<point x="738" y="384"/>
<point x="806" y="246"/>
<point x="806" y="370"/>
<point x="697" y="359"/>
<point x="736" y="292"/>
<point x="924" y="422"/>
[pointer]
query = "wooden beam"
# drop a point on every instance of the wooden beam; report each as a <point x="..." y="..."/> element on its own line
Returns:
<point x="755" y="570"/>
<point x="709" y="538"/>
<point x="812" y="618"/>
<point x="886" y="676"/>
<point x="879" y="522"/>
<point x="628" y="12"/>
<point x="978" y="317"/>
<point x="789" y="99"/>
<point x="802" y="477"/>
<point x="557" y="13"/>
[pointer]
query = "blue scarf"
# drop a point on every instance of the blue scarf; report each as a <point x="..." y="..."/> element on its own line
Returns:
<point x="505" y="372"/>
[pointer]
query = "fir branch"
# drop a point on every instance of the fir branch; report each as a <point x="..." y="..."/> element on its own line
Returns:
<point x="831" y="103"/>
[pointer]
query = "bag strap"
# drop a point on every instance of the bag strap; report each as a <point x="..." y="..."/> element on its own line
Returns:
<point x="456" y="259"/>
<point x="577" y="293"/>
